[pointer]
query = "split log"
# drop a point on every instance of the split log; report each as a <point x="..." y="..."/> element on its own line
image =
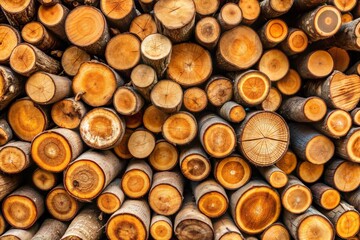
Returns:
<point x="86" y="225"/>
<point x="300" y="109"/>
<point x="122" y="150"/>
<point x="320" y="23"/>
<point x="341" y="58"/>
<point x="11" y="85"/>
<point x="68" y="113"/>
<point x="9" y="39"/>
<point x="232" y="172"/>
<point x="272" y="102"/>
<point x="180" y="128"/>
<point x="18" y="13"/>
<point x="332" y="92"/>
<point x="255" y="130"/>
<point x="141" y="143"/>
<point x="154" y="118"/>
<point x="348" y="147"/>
<point x="54" y="149"/>
<point x="123" y="52"/>
<point x="23" y="234"/>
<point x="232" y="112"/>
<point x="309" y="172"/>
<point x="225" y="229"/>
<point x="335" y="124"/>
<point x="143" y="26"/>
<point x="219" y="90"/>
<point x="15" y="157"/>
<point x="190" y="64"/>
<point x="26" y="59"/>
<point x="87" y="176"/>
<point x="274" y="176"/>
<point x="86" y="27"/>
<point x="127" y="101"/>
<point x="137" y="179"/>
<point x="29" y="205"/>
<point x="310" y="145"/>
<point x="191" y="224"/>
<point x="216" y="136"/>
<point x="6" y="134"/>
<point x="175" y="19"/>
<point x="250" y="11"/>
<point x="45" y="88"/>
<point x="288" y="162"/>
<point x="167" y="96"/>
<point x="166" y="193"/>
<point x="295" y="196"/>
<point x="295" y="42"/>
<point x="342" y="175"/>
<point x="194" y="163"/>
<point x="164" y="157"/>
<point x="273" y="32"/>
<point x="195" y="99"/>
<point x="206" y="8"/>
<point x="251" y="88"/>
<point x="353" y="198"/>
<point x="256" y="200"/>
<point x="37" y="35"/>
<point x="207" y="31"/>
<point x="50" y="229"/>
<point x="290" y="84"/>
<point x="311" y="224"/>
<point x="325" y="196"/>
<point x="275" y="231"/>
<point x="238" y="49"/>
<point x="348" y="37"/>
<point x="111" y="199"/>
<point x="53" y="18"/>
<point x="161" y="227"/>
<point x="211" y="198"/>
<point x="72" y="59"/>
<point x="27" y="119"/>
<point x="119" y="13"/>
<point x="275" y="8"/>
<point x="345" y="218"/>
<point x="86" y="86"/>
<point x="44" y="180"/>
<point x="61" y="205"/>
<point x="229" y="16"/>
<point x="102" y="128"/>
<point x="275" y="64"/>
<point x="8" y="184"/>
<point x="132" y="220"/>
<point x="156" y="50"/>
<point x="143" y="79"/>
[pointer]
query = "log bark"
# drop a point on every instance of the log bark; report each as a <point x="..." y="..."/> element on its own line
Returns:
<point x="310" y="145"/>
<point x="53" y="18"/>
<point x="273" y="32"/>
<point x="119" y="13"/>
<point x="102" y="128"/>
<point x="161" y="227"/>
<point x="324" y="196"/>
<point x="50" y="229"/>
<point x="288" y="162"/>
<point x="232" y="112"/>
<point x="219" y="90"/>
<point x="166" y="193"/>
<point x="164" y="157"/>
<point x="37" y="35"/>
<point x="6" y="134"/>
<point x="131" y="220"/>
<point x="175" y="19"/>
<point x="29" y="204"/>
<point x="194" y="163"/>
<point x="145" y="139"/>
<point x="274" y="176"/>
<point x="127" y="101"/>
<point x="143" y="79"/>
<point x="353" y="198"/>
<point x="180" y="128"/>
<point x="137" y="179"/>
<point x="275" y="8"/>
<point x="225" y="229"/>
<point x="9" y="39"/>
<point x="68" y="113"/>
<point x="23" y="234"/>
<point x="112" y="198"/>
<point x="346" y="17"/>
<point x="309" y="172"/>
<point x="229" y="16"/>
<point x="94" y="169"/>
<point x="8" y="184"/>
<point x="11" y="85"/>
<point x="15" y="157"/>
<point x="26" y="59"/>
<point x="44" y="180"/>
<point x="18" y="13"/>
<point x="335" y="124"/>
<point x="305" y="5"/>
<point x="167" y="96"/>
<point x="249" y="138"/>
<point x="143" y="26"/>
<point x="195" y="99"/>
<point x="348" y="146"/>
<point x="207" y="32"/>
<point x="348" y="37"/>
<point x="72" y="59"/>
<point x="243" y="206"/>
<point x="342" y="175"/>
<point x="154" y="118"/>
<point x="290" y="84"/>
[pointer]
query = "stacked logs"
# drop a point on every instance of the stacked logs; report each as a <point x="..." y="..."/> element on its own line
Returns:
<point x="181" y="119"/>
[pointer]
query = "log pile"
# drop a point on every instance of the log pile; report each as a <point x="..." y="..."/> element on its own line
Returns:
<point x="179" y="119"/>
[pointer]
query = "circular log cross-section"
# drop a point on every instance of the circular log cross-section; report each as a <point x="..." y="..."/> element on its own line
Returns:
<point x="86" y="27"/>
<point x="143" y="79"/>
<point x="68" y="113"/>
<point x="72" y="59"/>
<point x="53" y="18"/>
<point x="206" y="7"/>
<point x="342" y="175"/>
<point x="325" y="196"/>
<point x="207" y="32"/>
<point x="141" y="143"/>
<point x="53" y="150"/>
<point x="336" y="123"/>
<point x="348" y="147"/>
<point x="190" y="64"/>
<point x="111" y="199"/>
<point x="102" y="128"/>
<point x="232" y="172"/>
<point x="273" y="101"/>
<point x="275" y="64"/>
<point x="154" y="118"/>
<point x="194" y="163"/>
<point x="164" y="157"/>
<point x="127" y="101"/>
<point x="119" y="13"/>
<point x="195" y="99"/>
<point x="255" y="207"/>
<point x="295" y="42"/>
<point x="161" y="227"/>
<point x="180" y="128"/>
<point x="37" y="35"/>
<point x="251" y="88"/>
<point x="274" y="176"/>
<point x="18" y="13"/>
<point x="273" y="32"/>
<point x="9" y="39"/>
<point x="316" y="64"/>
<point x="238" y="49"/>
<point x="229" y="16"/>
<point x="44" y="180"/>
<point x="167" y="95"/>
<point x="232" y="112"/>
<point x="290" y="84"/>
<point x="309" y="172"/>
<point x="143" y="26"/>
<point x="250" y="10"/>
<point x="263" y="138"/>
<point x="275" y="8"/>
<point x="61" y="205"/>
<point x="288" y="162"/>
<point x="15" y="157"/>
<point x="219" y="90"/>
<point x="122" y="150"/>
<point x="275" y="232"/>
<point x="341" y="58"/>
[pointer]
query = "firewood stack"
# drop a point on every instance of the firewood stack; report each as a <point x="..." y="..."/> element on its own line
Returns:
<point x="180" y="119"/>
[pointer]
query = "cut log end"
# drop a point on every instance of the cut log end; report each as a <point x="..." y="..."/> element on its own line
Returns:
<point x="143" y="26"/>
<point x="273" y="100"/>
<point x="13" y="159"/>
<point x="72" y="59"/>
<point x="230" y="16"/>
<point x="68" y="113"/>
<point x="195" y="99"/>
<point x="319" y="150"/>
<point x="207" y="32"/>
<point x="316" y="226"/>
<point x="154" y="119"/>
<point x="290" y="84"/>
<point x="44" y="180"/>
<point x="206" y="8"/>
<point x="26" y="213"/>
<point x="135" y="183"/>
<point x="9" y="39"/>
<point x="250" y="10"/>
<point x="275" y="64"/>
<point x="194" y="164"/>
<point x="108" y="203"/>
<point x="348" y="224"/>
<point x="161" y="228"/>
<point x="61" y="205"/>
<point x="22" y="59"/>
<point x="276" y="231"/>
<point x="142" y="138"/>
<point x="341" y="58"/>
<point x="296" y="198"/>
<point x="330" y="199"/>
<point x="309" y="172"/>
<point x="164" y="157"/>
<point x="315" y="109"/>
<point x="288" y="162"/>
<point x="167" y="95"/>
<point x="180" y="128"/>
